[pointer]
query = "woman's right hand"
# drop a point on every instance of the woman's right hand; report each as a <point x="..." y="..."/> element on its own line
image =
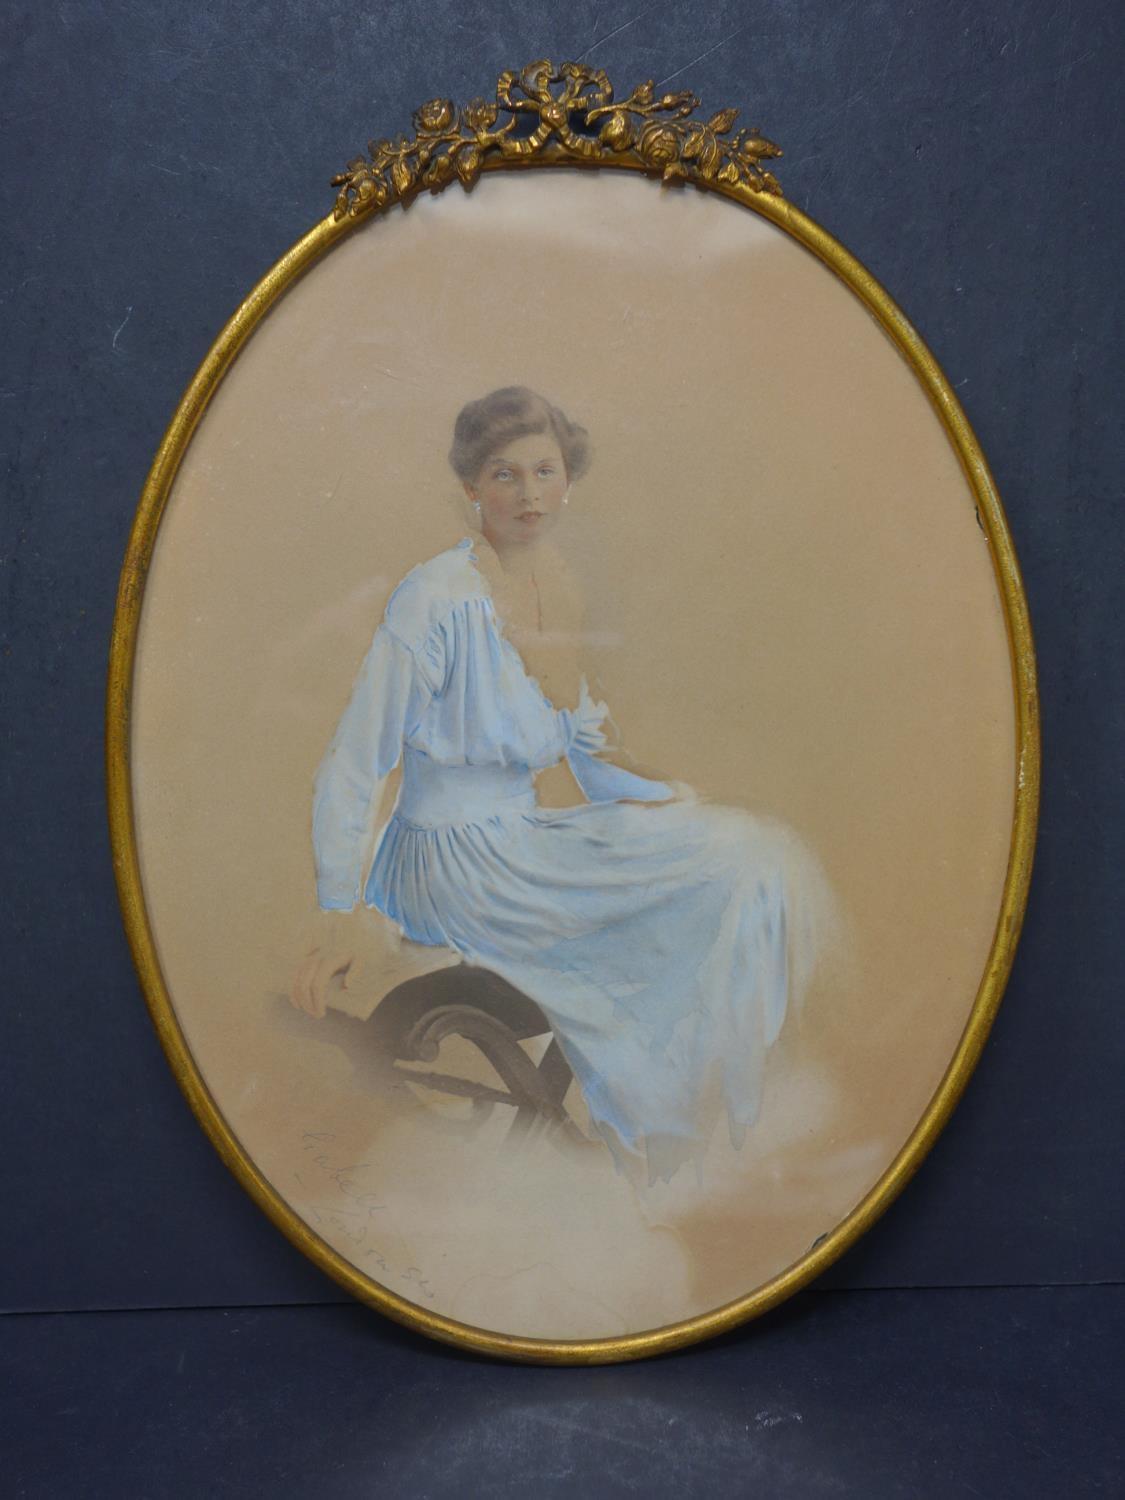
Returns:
<point x="331" y="953"/>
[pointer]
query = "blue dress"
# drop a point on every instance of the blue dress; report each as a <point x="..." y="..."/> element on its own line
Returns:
<point x="664" y="944"/>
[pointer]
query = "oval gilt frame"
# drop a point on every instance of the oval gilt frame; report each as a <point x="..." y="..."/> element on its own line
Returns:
<point x="545" y="117"/>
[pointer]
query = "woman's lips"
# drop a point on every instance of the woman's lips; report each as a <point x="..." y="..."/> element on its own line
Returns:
<point x="530" y="515"/>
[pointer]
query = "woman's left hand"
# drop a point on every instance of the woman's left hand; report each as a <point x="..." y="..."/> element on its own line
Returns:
<point x="584" y="723"/>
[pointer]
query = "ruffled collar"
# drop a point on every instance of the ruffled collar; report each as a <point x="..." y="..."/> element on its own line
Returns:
<point x="549" y="655"/>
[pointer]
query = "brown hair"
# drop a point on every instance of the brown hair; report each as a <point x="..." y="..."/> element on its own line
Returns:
<point x="514" y="411"/>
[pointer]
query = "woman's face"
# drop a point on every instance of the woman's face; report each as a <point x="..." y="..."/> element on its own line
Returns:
<point x="520" y="489"/>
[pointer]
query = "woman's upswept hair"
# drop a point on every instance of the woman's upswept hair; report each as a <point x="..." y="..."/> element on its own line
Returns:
<point x="514" y="411"/>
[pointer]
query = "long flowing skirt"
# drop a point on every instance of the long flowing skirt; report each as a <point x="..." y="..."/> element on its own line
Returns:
<point x="665" y="944"/>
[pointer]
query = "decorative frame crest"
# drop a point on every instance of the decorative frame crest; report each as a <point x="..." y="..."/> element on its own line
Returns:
<point x="567" y="113"/>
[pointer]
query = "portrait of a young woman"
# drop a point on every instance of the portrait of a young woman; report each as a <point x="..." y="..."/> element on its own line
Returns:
<point x="664" y="939"/>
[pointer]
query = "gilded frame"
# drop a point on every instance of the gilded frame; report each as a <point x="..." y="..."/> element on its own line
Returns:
<point x="575" y="121"/>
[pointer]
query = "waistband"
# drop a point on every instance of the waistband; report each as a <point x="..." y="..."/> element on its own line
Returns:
<point x="437" y="796"/>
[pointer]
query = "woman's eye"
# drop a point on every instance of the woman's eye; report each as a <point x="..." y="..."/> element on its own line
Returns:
<point x="546" y="471"/>
<point x="502" y="474"/>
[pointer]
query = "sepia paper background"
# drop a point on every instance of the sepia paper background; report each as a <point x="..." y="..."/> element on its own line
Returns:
<point x="794" y="611"/>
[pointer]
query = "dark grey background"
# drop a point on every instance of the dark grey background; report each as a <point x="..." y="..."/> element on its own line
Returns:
<point x="157" y="160"/>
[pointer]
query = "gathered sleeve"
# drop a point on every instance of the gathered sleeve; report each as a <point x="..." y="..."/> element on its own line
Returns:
<point x="390" y="692"/>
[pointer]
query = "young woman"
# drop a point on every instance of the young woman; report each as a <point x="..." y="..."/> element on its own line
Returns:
<point x="665" y="941"/>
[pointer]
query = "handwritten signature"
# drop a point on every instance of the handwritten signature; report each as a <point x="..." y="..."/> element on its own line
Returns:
<point x="354" y="1219"/>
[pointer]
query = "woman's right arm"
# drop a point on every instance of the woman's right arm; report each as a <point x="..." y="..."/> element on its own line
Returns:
<point x="347" y="787"/>
<point x="365" y="748"/>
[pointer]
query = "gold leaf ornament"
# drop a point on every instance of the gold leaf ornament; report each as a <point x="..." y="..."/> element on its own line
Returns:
<point x="480" y="115"/>
<point x="468" y="164"/>
<point x="402" y="175"/>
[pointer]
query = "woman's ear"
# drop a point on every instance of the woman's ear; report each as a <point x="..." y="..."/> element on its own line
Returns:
<point x="470" y="490"/>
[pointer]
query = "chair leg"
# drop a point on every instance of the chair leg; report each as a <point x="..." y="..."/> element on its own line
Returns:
<point x="555" y="1072"/>
<point x="523" y="1126"/>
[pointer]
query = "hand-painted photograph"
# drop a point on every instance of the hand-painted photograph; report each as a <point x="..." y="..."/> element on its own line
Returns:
<point x="657" y="942"/>
<point x="573" y="752"/>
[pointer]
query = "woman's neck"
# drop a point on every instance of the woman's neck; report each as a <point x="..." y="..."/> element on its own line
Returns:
<point x="516" y="558"/>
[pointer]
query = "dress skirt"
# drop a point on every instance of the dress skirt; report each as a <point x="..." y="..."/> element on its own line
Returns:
<point x="664" y="943"/>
